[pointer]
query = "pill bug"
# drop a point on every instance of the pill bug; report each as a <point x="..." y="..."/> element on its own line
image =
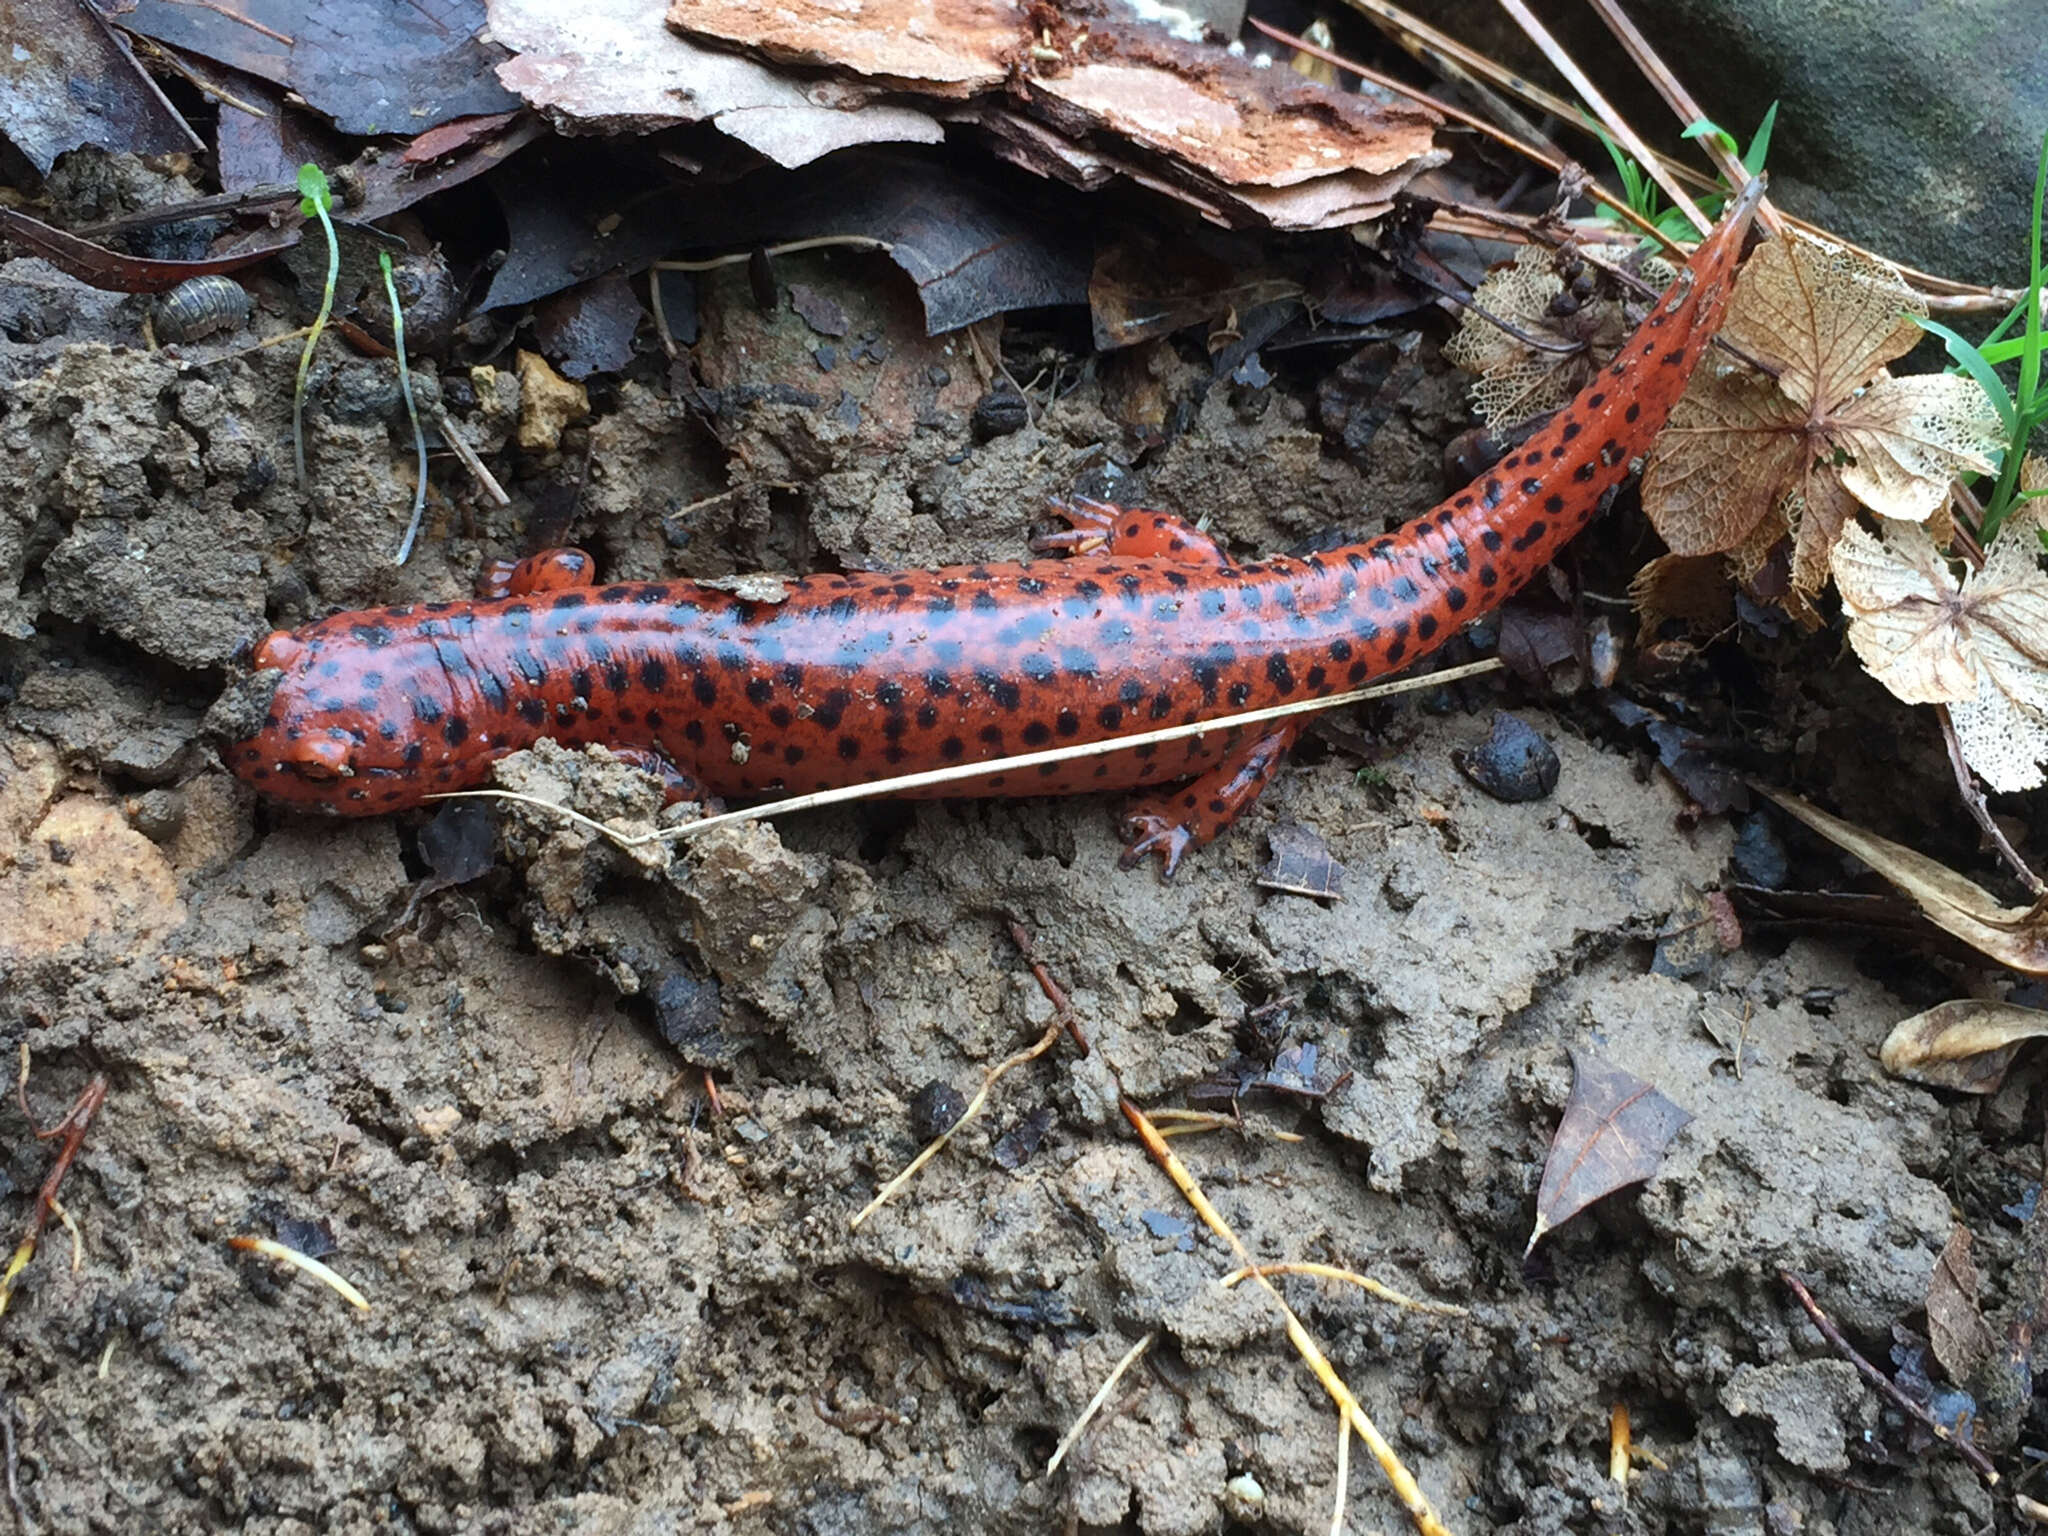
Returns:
<point x="200" y="306"/>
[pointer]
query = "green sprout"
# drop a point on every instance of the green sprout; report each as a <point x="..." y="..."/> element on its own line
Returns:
<point x="1639" y="191"/>
<point x="2023" y="410"/>
<point x="419" y="438"/>
<point x="314" y="200"/>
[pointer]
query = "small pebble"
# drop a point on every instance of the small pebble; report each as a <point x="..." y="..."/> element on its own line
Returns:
<point x="1514" y="765"/>
<point x="936" y="1109"/>
<point x="998" y="413"/>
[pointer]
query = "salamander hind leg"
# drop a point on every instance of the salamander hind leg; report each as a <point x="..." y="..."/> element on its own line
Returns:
<point x="676" y="783"/>
<point x="1194" y="814"/>
<point x="1129" y="533"/>
<point x="552" y="570"/>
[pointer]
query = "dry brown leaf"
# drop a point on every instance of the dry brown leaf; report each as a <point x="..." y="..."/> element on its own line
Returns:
<point x="1822" y="435"/>
<point x="1692" y="589"/>
<point x="1518" y="381"/>
<point x="1955" y="1326"/>
<point x="1980" y="647"/>
<point x="2013" y="936"/>
<point x="1965" y="1046"/>
<point x="1614" y="1133"/>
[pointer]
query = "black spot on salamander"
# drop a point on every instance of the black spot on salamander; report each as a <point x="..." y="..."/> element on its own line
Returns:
<point x="1511" y="461"/>
<point x="896" y="727"/>
<point x="780" y="717"/>
<point x="1088" y="589"/>
<point x="831" y="708"/>
<point x="1162" y="705"/>
<point x="1316" y="678"/>
<point x="1279" y="674"/>
<point x="532" y="711"/>
<point x="927" y="716"/>
<point x="1425" y="627"/>
<point x="1006" y="694"/>
<point x="1531" y="535"/>
<point x="889" y="695"/>
<point x="387" y="730"/>
<point x="937" y="684"/>
<point x="759" y="690"/>
<point x="1110" y="716"/>
<point x="426" y="711"/>
<point x="1037" y="733"/>
<point x="1176" y="579"/>
<point x="1672" y="358"/>
<point x="792" y="755"/>
<point x="653" y="675"/>
<point x="1492" y="493"/>
<point x="1597" y="399"/>
<point x="561" y="604"/>
<point x="456" y="731"/>
<point x="1531" y="487"/>
<point x="1037" y="667"/>
<point x="849" y="748"/>
<point x="952" y="749"/>
<point x="617" y="677"/>
<point x="1068" y="723"/>
<point x="1488" y="576"/>
<point x="1457" y="556"/>
<point x="1358" y="672"/>
<point x="1491" y="538"/>
<point x="904" y="589"/>
<point x="1571" y="430"/>
<point x="992" y="737"/>
<point x="983" y="602"/>
<point x="1634" y="410"/>
<point x="414" y="755"/>
<point x="704" y="690"/>
<point x="375" y="636"/>
<point x="1340" y="650"/>
<point x="1553" y="503"/>
<point x="1396" y="651"/>
<point x="1455" y="599"/>
<point x="1030" y="584"/>
<point x="693" y="732"/>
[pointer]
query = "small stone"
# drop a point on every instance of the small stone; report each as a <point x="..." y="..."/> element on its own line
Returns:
<point x="1516" y="764"/>
<point x="547" y="403"/>
<point x="936" y="1109"/>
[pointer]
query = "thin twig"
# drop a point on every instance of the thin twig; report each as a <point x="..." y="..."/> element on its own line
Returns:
<point x="71" y="1128"/>
<point x="13" y="1463"/>
<point x="1131" y="1358"/>
<point x="1365" y="1283"/>
<point x="1885" y="1384"/>
<point x="1973" y="801"/>
<point x="468" y="455"/>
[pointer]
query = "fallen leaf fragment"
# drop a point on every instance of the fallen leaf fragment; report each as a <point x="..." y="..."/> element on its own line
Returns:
<point x="1746" y="457"/>
<point x="1980" y="646"/>
<point x="1516" y="380"/>
<point x="1965" y="1046"/>
<point x="1614" y="1133"/>
<point x="1962" y="1339"/>
<point x="2013" y="936"/>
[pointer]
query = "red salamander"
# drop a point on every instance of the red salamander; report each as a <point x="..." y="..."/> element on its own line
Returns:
<point x="1145" y="622"/>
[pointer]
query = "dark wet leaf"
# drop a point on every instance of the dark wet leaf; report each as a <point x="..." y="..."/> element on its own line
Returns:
<point x="1759" y="854"/>
<point x="315" y="1239"/>
<point x="1614" y="1133"/>
<point x="449" y="137"/>
<point x="1302" y="864"/>
<point x="374" y="66"/>
<point x="1515" y="764"/>
<point x="1542" y="648"/>
<point x="1354" y="399"/>
<point x="1142" y="287"/>
<point x="1955" y="1326"/>
<point x="935" y="1109"/>
<point x="459" y="843"/>
<point x="686" y="1011"/>
<point x="1037" y="1308"/>
<point x="69" y="80"/>
<point x="590" y="328"/>
<point x="821" y="312"/>
<point x="1015" y="1147"/>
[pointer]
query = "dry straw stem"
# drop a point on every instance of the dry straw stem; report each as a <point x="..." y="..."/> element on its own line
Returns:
<point x="306" y="1262"/>
<point x="1073" y="1434"/>
<point x="1406" y="1489"/>
<point x="1194" y="1122"/>
<point x="960" y="772"/>
<point x="1365" y="1283"/>
<point x="995" y="1074"/>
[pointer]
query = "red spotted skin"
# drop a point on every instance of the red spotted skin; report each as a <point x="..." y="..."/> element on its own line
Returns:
<point x="867" y="675"/>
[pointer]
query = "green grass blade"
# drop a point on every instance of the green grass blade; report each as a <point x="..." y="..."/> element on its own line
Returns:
<point x="1760" y="144"/>
<point x="1974" y="363"/>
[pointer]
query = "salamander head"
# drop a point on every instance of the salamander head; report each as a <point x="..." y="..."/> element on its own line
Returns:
<point x="330" y="726"/>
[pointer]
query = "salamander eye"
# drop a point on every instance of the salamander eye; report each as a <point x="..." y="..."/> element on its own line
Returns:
<point x="324" y="757"/>
<point x="276" y="649"/>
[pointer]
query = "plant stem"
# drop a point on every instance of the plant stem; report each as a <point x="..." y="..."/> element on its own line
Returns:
<point x="312" y="341"/>
<point x="419" y="438"/>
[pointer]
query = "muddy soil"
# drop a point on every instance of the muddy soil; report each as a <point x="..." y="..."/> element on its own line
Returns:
<point x="600" y="1301"/>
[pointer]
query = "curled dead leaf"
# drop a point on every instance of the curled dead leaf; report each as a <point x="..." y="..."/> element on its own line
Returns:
<point x="2013" y="936"/>
<point x="1961" y="1338"/>
<point x="1980" y="646"/>
<point x="1965" y="1046"/>
<point x="1743" y="455"/>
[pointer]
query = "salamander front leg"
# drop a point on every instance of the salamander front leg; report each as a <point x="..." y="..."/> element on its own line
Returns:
<point x="676" y="783"/>
<point x="552" y="570"/>
<point x="1129" y="533"/>
<point x="1191" y="816"/>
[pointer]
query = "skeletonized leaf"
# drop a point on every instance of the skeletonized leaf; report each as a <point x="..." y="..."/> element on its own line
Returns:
<point x="1965" y="1046"/>
<point x="1908" y="438"/>
<point x="1517" y="381"/>
<point x="1824" y="318"/>
<point x="1980" y="647"/>
<point x="2013" y="936"/>
<point x="1955" y="1326"/>
<point x="1614" y="1133"/>
<point x="1690" y="588"/>
<point x="1744" y="455"/>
